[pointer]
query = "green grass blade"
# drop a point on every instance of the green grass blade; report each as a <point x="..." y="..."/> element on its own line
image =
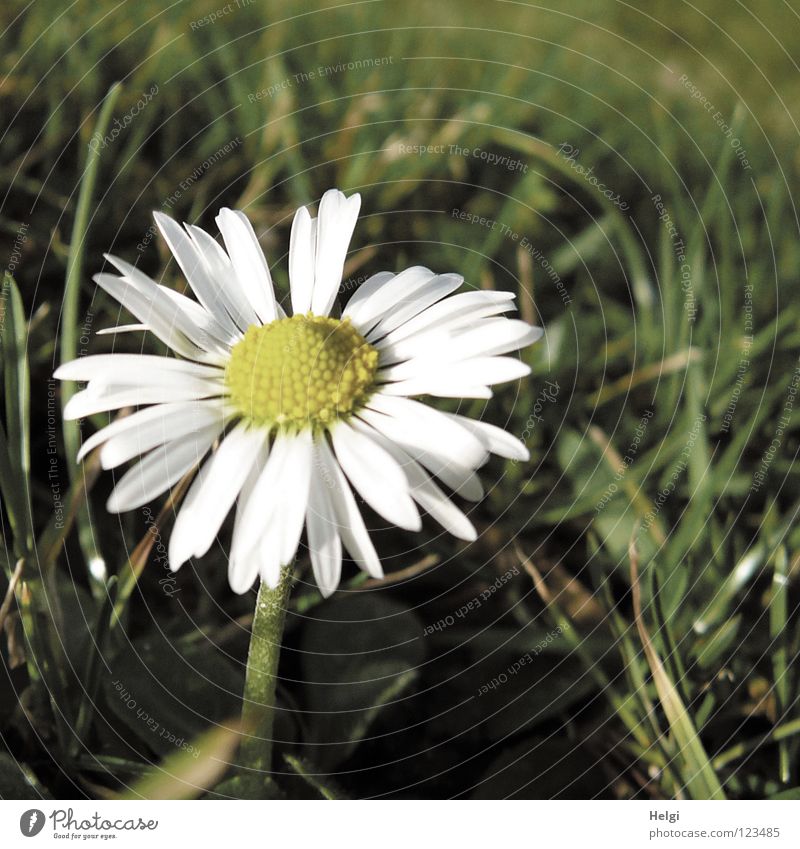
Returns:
<point x="321" y="784"/>
<point x="17" y="401"/>
<point x="69" y="322"/>
<point x="90" y="679"/>
<point x="698" y="774"/>
<point x="778" y="631"/>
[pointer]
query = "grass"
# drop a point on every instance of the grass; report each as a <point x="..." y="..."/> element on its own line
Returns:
<point x="635" y="632"/>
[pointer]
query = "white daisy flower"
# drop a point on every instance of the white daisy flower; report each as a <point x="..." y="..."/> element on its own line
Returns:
<point x="298" y="412"/>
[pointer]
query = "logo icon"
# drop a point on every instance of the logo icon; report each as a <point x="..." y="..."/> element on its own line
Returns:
<point x="31" y="822"/>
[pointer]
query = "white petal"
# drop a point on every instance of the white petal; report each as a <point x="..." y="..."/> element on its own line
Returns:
<point x="163" y="317"/>
<point x="400" y="289"/>
<point x="430" y="497"/>
<point x="491" y="337"/>
<point x="441" y="388"/>
<point x="302" y="252"/>
<point x="497" y="440"/>
<point x="272" y="531"/>
<point x="192" y="319"/>
<point x="122" y="328"/>
<point x="160" y="469"/>
<point x="211" y="497"/>
<point x="221" y="271"/>
<point x="248" y="262"/>
<point x="201" y="317"/>
<point x="410" y="422"/>
<point x="376" y="476"/>
<point x="275" y="511"/>
<point x="364" y="292"/>
<point x="243" y="570"/>
<point x="143" y="367"/>
<point x="179" y="551"/>
<point x="269" y="561"/>
<point x="459" y="476"/>
<point x="185" y="388"/>
<point x="352" y="529"/>
<point x="168" y="413"/>
<point x="90" y="401"/>
<point x="324" y="542"/>
<point x="110" y="383"/>
<point x="413" y="304"/>
<point x="441" y="508"/>
<point x="452" y="313"/>
<point x="196" y="271"/>
<point x="162" y="425"/>
<point x="295" y="497"/>
<point x="478" y="371"/>
<point x="521" y="336"/>
<point x="335" y="224"/>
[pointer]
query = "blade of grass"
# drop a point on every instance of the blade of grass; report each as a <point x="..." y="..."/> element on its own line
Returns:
<point x="778" y="630"/>
<point x="138" y="558"/>
<point x="672" y="364"/>
<point x="638" y="500"/>
<point x="698" y="774"/>
<point x="777" y="735"/>
<point x="187" y="774"/>
<point x="69" y="330"/>
<point x="90" y="679"/>
<point x="10" y="494"/>
<point x="637" y="684"/>
<point x="708" y="651"/>
<point x="745" y="571"/>
<point x="621" y="705"/>
<point x="641" y="284"/>
<point x="323" y="787"/>
<point x="38" y="598"/>
<point x="17" y="401"/>
<point x="53" y="536"/>
<point x="715" y="195"/>
<point x="673" y="658"/>
<point x="10" y="591"/>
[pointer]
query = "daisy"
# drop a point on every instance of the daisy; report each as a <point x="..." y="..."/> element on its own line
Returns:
<point x="288" y="416"/>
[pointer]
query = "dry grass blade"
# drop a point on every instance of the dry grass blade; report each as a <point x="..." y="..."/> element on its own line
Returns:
<point x="670" y="365"/>
<point x="188" y="774"/>
<point x="138" y="559"/>
<point x="427" y="562"/>
<point x="12" y="585"/>
<point x="641" y="503"/>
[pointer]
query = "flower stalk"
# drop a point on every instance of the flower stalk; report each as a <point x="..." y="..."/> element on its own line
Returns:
<point x="258" y="710"/>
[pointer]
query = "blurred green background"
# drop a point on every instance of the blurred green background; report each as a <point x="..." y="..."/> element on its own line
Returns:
<point x="629" y="171"/>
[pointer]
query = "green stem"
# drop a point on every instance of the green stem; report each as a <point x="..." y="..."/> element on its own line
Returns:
<point x="258" y="710"/>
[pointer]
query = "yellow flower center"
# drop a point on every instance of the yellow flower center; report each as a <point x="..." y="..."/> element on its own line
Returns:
<point x="300" y="372"/>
